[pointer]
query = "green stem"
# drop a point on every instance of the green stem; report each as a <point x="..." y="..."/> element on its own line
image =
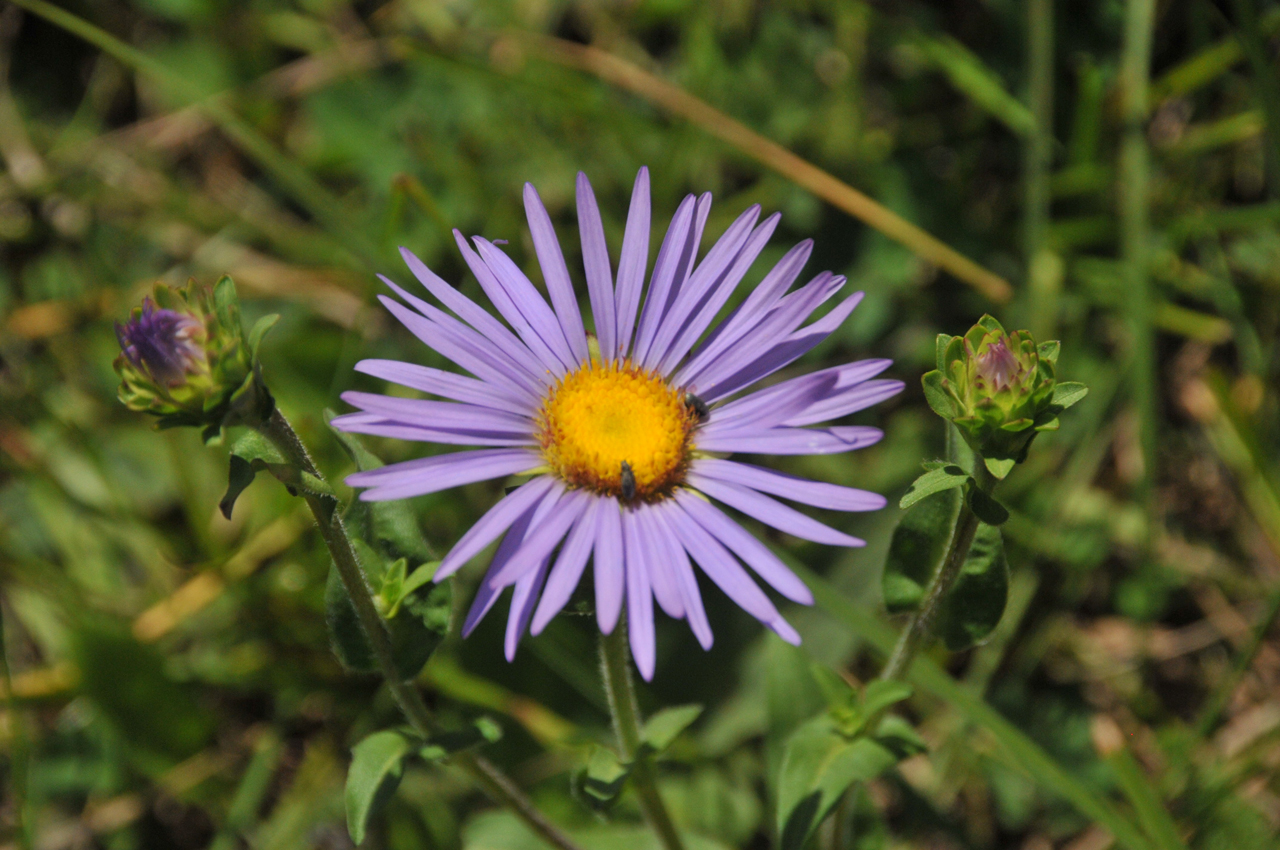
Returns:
<point x="615" y="668"/>
<point x="329" y="520"/>
<point x="1044" y="275"/>
<point x="1133" y="191"/>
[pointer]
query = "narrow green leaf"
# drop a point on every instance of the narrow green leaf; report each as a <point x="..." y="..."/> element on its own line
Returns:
<point x="226" y="304"/>
<point x="663" y="727"/>
<point x="973" y="78"/>
<point x="1068" y="393"/>
<point x="917" y="546"/>
<point x="899" y="737"/>
<point x="239" y="476"/>
<point x="1049" y="350"/>
<point x="377" y="763"/>
<point x="259" y="330"/>
<point x="987" y="508"/>
<point x="941" y="344"/>
<point x="934" y="481"/>
<point x="881" y="693"/>
<point x="818" y="766"/>
<point x="392" y="590"/>
<point x="974" y="605"/>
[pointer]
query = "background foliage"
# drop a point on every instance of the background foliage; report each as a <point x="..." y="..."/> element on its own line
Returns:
<point x="170" y="679"/>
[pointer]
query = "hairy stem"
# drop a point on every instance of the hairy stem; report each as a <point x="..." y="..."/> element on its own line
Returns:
<point x="615" y="668"/>
<point x="920" y="626"/>
<point x="497" y="784"/>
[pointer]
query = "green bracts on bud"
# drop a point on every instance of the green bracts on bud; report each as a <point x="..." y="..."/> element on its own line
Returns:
<point x="999" y="390"/>
<point x="185" y="359"/>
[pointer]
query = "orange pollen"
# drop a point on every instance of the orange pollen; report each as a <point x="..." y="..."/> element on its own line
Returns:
<point x="599" y="417"/>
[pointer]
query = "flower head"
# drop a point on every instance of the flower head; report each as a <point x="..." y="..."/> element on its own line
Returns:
<point x="997" y="387"/>
<point x="623" y="434"/>
<point x="184" y="358"/>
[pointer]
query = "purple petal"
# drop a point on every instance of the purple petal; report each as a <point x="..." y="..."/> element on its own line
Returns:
<point x="495" y="521"/>
<point x="683" y="571"/>
<point x="639" y="598"/>
<point x="772" y="513"/>
<point x="792" y="441"/>
<point x="556" y="273"/>
<point x="468" y="310"/>
<point x="662" y="579"/>
<point x="704" y="312"/>
<point x="430" y="475"/>
<point x="632" y="264"/>
<point x="429" y="413"/>
<point x="546" y="536"/>
<point x="595" y="262"/>
<point x="379" y="426"/>
<point x="446" y="385"/>
<point x="758" y="303"/>
<point x="796" y="345"/>
<point x="724" y="570"/>
<point x="502" y="300"/>
<point x="754" y="553"/>
<point x="466" y="348"/>
<point x="527" y="300"/>
<point x="847" y="401"/>
<point x="522" y="602"/>
<point x="791" y="311"/>
<point x="771" y="406"/>
<point x="817" y="493"/>
<point x="486" y="595"/>
<point x="567" y="572"/>
<point x="610" y="576"/>
<point x="672" y="256"/>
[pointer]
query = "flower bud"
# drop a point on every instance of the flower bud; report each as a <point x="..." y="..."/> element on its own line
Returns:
<point x="184" y="358"/>
<point x="997" y="387"/>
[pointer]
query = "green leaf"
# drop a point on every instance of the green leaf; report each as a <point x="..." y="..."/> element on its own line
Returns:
<point x="842" y="699"/>
<point x="934" y="481"/>
<point x="663" y="727"/>
<point x="976" y="80"/>
<point x="392" y="590"/>
<point x="240" y="476"/>
<point x="974" y="605"/>
<point x="346" y="636"/>
<point x="602" y="778"/>
<point x="936" y="395"/>
<point x="482" y="730"/>
<point x="999" y="468"/>
<point x="899" y="737"/>
<point x="1068" y="393"/>
<point x="986" y="507"/>
<point x="881" y="693"/>
<point x="377" y="763"/>
<point x="259" y="330"/>
<point x="818" y="766"/>
<point x="918" y="544"/>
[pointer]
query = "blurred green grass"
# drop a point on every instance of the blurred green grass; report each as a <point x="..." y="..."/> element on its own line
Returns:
<point x="164" y="659"/>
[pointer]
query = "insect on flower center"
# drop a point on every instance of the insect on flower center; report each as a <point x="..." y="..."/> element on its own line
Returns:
<point x="602" y="416"/>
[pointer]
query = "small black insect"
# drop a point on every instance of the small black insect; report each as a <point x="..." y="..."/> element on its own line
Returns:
<point x="628" y="482"/>
<point x="698" y="406"/>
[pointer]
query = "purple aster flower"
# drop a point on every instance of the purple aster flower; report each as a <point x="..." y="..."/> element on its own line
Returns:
<point x="620" y="433"/>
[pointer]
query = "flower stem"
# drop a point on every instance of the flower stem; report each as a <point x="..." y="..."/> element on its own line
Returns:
<point x="329" y="520"/>
<point x="615" y="668"/>
<point x="920" y="625"/>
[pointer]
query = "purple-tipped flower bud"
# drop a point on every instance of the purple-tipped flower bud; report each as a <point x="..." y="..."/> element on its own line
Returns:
<point x="184" y="358"/>
<point x="166" y="344"/>
<point x="998" y="388"/>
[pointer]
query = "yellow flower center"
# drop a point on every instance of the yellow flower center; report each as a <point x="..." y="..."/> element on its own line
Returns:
<point x="601" y="417"/>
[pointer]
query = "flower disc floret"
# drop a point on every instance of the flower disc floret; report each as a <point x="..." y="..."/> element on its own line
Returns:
<point x="601" y="416"/>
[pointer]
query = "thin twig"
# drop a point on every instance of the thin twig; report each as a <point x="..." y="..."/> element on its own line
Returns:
<point x="619" y="72"/>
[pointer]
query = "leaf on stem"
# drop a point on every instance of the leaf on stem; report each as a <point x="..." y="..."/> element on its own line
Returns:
<point x="973" y="607"/>
<point x="917" y="547"/>
<point x="377" y="764"/>
<point x="938" y="478"/>
<point x="666" y="725"/>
